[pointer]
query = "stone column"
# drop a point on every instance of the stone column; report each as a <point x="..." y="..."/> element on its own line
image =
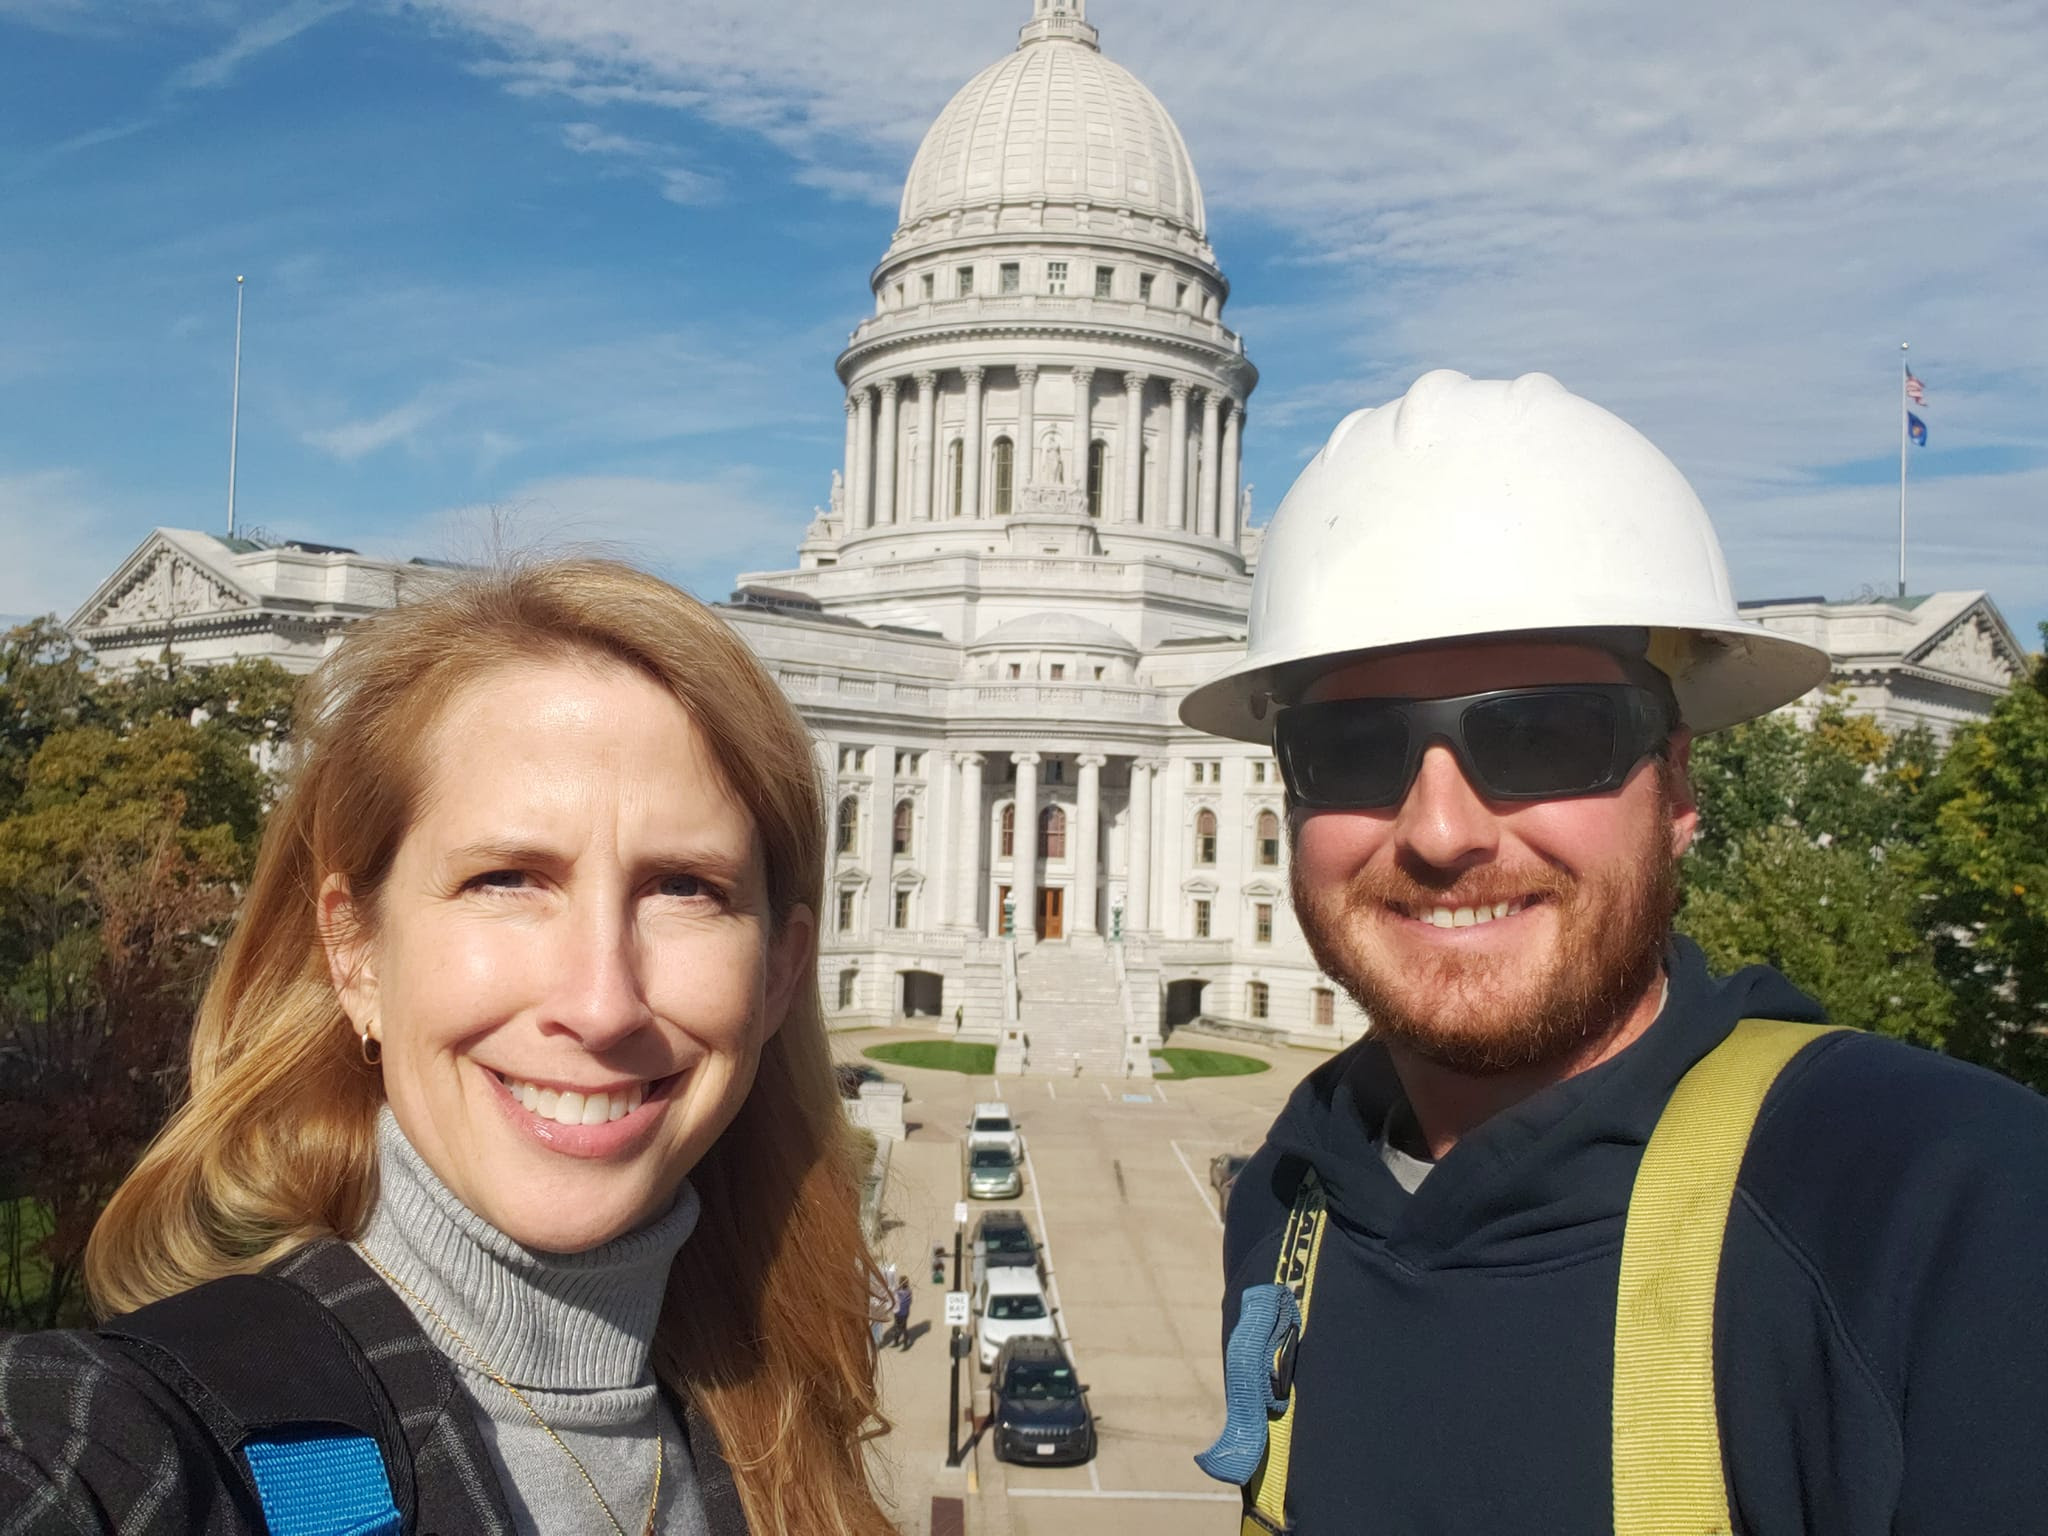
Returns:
<point x="927" y="429"/>
<point x="1087" y="843"/>
<point x="881" y="842"/>
<point x="1205" y="514"/>
<point x="1025" y="460"/>
<point x="1024" y="848"/>
<point x="864" y="458"/>
<point x="1177" y="457"/>
<point x="1134" y="446"/>
<point x="1138" y="877"/>
<point x="966" y="853"/>
<point x="851" y="463"/>
<point x="887" y="446"/>
<point x="1084" y="430"/>
<point x="1233" y="445"/>
<point x="971" y="446"/>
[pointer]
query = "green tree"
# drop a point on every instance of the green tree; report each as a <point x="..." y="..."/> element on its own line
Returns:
<point x="130" y="807"/>
<point x="1987" y="847"/>
<point x="1809" y="860"/>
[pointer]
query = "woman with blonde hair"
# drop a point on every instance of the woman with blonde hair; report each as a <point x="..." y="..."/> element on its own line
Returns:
<point x="512" y="1191"/>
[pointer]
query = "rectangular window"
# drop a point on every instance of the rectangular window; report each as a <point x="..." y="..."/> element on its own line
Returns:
<point x="845" y="911"/>
<point x="1322" y="1011"/>
<point x="1195" y="772"/>
<point x="926" y="284"/>
<point x="1006" y="913"/>
<point x="963" y="282"/>
<point x="1059" y="670"/>
<point x="1016" y="670"/>
<point x="1056" y="770"/>
<point x="849" y="981"/>
<point x="1144" y="287"/>
<point x="1180" y="295"/>
<point x="1055" y="277"/>
<point x="1105" y="277"/>
<point x="1262" y="922"/>
<point x="1098" y="674"/>
<point x="1258" y="773"/>
<point x="903" y="909"/>
<point x="1201" y="919"/>
<point x="1010" y="277"/>
<point x="1256" y="999"/>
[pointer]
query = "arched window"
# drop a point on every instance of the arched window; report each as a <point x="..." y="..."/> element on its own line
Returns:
<point x="1269" y="839"/>
<point x="1205" y="838"/>
<point x="1008" y="843"/>
<point x="1098" y="459"/>
<point x="900" y="832"/>
<point x="956" y="471"/>
<point x="1006" y="456"/>
<point x="1257" y="999"/>
<point x="849" y="824"/>
<point x="1052" y="833"/>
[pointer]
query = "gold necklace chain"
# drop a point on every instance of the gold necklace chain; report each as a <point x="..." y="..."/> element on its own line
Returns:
<point x="653" y="1504"/>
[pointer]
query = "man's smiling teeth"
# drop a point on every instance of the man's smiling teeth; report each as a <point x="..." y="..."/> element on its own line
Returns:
<point x="1468" y="917"/>
<point x="567" y="1107"/>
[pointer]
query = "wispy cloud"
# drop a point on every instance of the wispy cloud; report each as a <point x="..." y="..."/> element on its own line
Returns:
<point x="38" y="572"/>
<point x="250" y="41"/>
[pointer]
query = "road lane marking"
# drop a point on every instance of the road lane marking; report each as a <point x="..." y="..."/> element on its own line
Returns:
<point x="1052" y="1288"/>
<point x="1200" y="1188"/>
<point x="1160" y="1089"/>
<point x="1124" y="1493"/>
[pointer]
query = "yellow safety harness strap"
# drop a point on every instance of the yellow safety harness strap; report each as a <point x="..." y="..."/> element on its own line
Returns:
<point x="1300" y="1247"/>
<point x="1668" y="1478"/>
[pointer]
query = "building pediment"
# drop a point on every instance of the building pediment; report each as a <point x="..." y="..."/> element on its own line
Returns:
<point x="1976" y="646"/>
<point x="161" y="583"/>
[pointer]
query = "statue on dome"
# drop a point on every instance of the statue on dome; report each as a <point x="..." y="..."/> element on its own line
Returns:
<point x="1051" y="469"/>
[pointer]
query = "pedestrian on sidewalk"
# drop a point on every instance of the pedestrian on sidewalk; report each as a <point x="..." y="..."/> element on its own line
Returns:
<point x="900" y="1334"/>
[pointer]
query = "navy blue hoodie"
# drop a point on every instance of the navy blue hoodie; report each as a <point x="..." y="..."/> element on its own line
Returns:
<point x="1881" y="1319"/>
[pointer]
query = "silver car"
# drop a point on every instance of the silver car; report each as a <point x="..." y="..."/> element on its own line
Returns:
<point x="992" y="1174"/>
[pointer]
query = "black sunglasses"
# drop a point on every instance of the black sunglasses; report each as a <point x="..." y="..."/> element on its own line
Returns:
<point x="1548" y="743"/>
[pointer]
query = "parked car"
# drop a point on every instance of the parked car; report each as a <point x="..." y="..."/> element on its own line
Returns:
<point x="1003" y="1240"/>
<point x="1012" y="1305"/>
<point x="991" y="1126"/>
<point x="1038" y="1411"/>
<point x="1224" y="1168"/>
<point x="992" y="1174"/>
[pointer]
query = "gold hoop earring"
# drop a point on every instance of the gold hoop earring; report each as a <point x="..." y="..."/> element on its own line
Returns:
<point x="373" y="1049"/>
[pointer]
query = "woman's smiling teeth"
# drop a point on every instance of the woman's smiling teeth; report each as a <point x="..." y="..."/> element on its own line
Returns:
<point x="568" y="1107"/>
<point x="1467" y="917"/>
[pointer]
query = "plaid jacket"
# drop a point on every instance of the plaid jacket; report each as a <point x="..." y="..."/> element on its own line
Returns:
<point x="93" y="1444"/>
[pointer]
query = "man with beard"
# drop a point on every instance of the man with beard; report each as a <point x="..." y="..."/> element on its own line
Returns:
<point x="1580" y="1237"/>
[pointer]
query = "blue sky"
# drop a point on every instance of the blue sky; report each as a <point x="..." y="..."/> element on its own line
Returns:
<point x="579" y="268"/>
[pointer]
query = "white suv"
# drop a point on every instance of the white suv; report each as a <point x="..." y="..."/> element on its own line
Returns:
<point x="991" y="1126"/>
<point x="1013" y="1306"/>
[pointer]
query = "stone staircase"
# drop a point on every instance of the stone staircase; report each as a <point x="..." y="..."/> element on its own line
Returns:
<point x="1070" y="1008"/>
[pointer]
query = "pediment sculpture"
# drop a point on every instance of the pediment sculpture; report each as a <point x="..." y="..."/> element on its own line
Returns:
<point x="167" y="587"/>
<point x="1969" y="649"/>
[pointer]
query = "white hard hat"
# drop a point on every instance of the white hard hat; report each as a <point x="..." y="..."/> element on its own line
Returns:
<point x="1482" y="508"/>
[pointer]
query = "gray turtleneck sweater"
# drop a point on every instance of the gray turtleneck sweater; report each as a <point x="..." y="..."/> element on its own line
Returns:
<point x="572" y="1331"/>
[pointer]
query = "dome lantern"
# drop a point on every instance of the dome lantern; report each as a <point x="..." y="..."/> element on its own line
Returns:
<point x="1066" y="19"/>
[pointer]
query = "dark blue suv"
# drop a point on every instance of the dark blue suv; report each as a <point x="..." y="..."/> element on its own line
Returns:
<point x="1038" y="1411"/>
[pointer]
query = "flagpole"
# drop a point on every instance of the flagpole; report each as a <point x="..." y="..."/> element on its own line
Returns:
<point x="1902" y="468"/>
<point x="235" y="406"/>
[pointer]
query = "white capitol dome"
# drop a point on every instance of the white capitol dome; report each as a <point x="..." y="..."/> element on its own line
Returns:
<point x="1055" y="122"/>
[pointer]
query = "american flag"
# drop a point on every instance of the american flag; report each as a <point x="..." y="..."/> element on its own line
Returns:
<point x="1914" y="392"/>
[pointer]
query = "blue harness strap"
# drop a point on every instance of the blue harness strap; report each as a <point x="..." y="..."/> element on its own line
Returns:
<point x="1268" y="1317"/>
<point x="324" y="1485"/>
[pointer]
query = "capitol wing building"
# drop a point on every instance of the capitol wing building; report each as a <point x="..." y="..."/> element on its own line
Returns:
<point x="1035" y="544"/>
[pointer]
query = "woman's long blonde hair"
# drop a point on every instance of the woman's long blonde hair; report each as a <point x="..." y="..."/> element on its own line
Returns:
<point x="766" y="1322"/>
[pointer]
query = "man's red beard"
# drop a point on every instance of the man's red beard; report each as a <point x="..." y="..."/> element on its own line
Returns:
<point x="1451" y="1009"/>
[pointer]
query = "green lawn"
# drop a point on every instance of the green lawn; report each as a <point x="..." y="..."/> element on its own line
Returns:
<point x="1189" y="1063"/>
<point x="938" y="1055"/>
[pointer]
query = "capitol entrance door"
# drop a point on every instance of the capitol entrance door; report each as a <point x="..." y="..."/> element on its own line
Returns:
<point x="1052" y="912"/>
